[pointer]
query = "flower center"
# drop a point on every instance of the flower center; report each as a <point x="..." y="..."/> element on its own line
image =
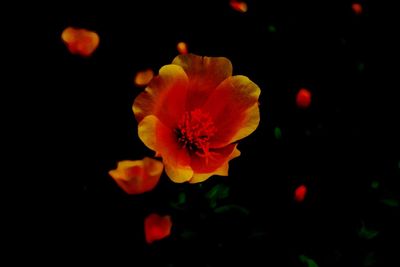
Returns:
<point x="194" y="131"/>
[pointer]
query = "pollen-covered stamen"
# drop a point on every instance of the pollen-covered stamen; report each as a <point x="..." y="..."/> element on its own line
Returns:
<point x="194" y="131"/>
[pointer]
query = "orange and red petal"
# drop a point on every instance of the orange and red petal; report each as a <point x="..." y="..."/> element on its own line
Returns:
<point x="143" y="78"/>
<point x="164" y="97"/>
<point x="215" y="159"/>
<point x="80" y="41"/>
<point x="233" y="107"/>
<point x="138" y="176"/>
<point x="157" y="227"/>
<point x="222" y="170"/>
<point x="162" y="139"/>
<point x="205" y="74"/>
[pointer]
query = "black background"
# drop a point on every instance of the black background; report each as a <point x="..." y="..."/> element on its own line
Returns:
<point x="80" y="119"/>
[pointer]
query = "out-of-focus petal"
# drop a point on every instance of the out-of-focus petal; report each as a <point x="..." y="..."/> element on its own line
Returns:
<point x="182" y="48"/>
<point x="137" y="176"/>
<point x="143" y="77"/>
<point x="303" y="98"/>
<point x="157" y="227"/>
<point x="80" y="41"/>
<point x="357" y="8"/>
<point x="300" y="193"/>
<point x="239" y="6"/>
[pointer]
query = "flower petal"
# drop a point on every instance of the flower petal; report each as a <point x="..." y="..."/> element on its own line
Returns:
<point x="205" y="74"/>
<point x="138" y="176"/>
<point x="163" y="140"/>
<point x="157" y="227"/>
<point x="80" y="41"/>
<point x="178" y="174"/>
<point x="222" y="171"/>
<point x="216" y="158"/>
<point x="164" y="97"/>
<point x="234" y="109"/>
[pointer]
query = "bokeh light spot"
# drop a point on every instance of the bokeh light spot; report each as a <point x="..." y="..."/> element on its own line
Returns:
<point x="303" y="98"/>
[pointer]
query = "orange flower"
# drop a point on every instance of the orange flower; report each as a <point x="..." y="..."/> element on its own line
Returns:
<point x="143" y="77"/>
<point x="80" y="41"/>
<point x="239" y="5"/>
<point x="138" y="176"/>
<point x="157" y="227"/>
<point x="193" y="113"/>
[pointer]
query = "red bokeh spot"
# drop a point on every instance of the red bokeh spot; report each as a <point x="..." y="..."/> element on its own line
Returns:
<point x="303" y="98"/>
<point x="300" y="193"/>
<point x="157" y="227"/>
<point x="239" y="6"/>
<point x="357" y="8"/>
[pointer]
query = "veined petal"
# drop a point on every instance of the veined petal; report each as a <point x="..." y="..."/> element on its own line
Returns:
<point x="205" y="74"/>
<point x="216" y="158"/>
<point x="164" y="97"/>
<point x="162" y="139"/>
<point x="222" y="171"/>
<point x="234" y="109"/>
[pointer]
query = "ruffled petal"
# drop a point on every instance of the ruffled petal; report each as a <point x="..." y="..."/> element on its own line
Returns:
<point x="233" y="107"/>
<point x="163" y="140"/>
<point x="222" y="171"/>
<point x="137" y="176"/>
<point x="205" y="74"/>
<point x="164" y="97"/>
<point x="178" y="174"/>
<point x="215" y="159"/>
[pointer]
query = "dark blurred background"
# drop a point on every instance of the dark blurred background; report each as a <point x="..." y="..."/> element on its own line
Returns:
<point x="81" y="121"/>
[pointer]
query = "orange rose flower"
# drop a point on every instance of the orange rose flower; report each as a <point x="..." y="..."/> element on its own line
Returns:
<point x="193" y="113"/>
<point x="138" y="176"/>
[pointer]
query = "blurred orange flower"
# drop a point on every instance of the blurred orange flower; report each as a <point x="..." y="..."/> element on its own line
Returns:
<point x="182" y="48"/>
<point x="240" y="6"/>
<point x="80" y="41"/>
<point x="143" y="77"/>
<point x="138" y="176"/>
<point x="157" y="227"/>
<point x="193" y="112"/>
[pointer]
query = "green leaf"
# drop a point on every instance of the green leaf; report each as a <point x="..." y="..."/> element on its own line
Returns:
<point x="361" y="67"/>
<point x="271" y="28"/>
<point x="391" y="202"/>
<point x="182" y="198"/>
<point x="278" y="133"/>
<point x="366" y="233"/>
<point x="370" y="259"/>
<point x="375" y="184"/>
<point x="308" y="261"/>
<point x="179" y="204"/>
<point x="232" y="208"/>
<point x="219" y="191"/>
<point x="187" y="234"/>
